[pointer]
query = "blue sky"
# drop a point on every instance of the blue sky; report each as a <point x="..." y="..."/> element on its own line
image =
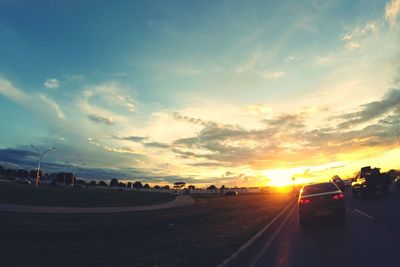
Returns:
<point x="208" y="91"/>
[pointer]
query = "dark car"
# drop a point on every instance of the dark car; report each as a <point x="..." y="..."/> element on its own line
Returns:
<point x="369" y="180"/>
<point x="231" y="193"/>
<point x="321" y="200"/>
<point x="339" y="182"/>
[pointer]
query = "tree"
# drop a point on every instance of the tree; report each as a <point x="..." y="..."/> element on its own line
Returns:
<point x="156" y="187"/>
<point x="146" y="186"/>
<point x="179" y="185"/>
<point x="121" y="184"/>
<point x="212" y="187"/>
<point x="65" y="177"/>
<point x="114" y="182"/>
<point x="92" y="183"/>
<point x="129" y="185"/>
<point x="137" y="185"/>
<point x="22" y="173"/>
<point x="166" y="187"/>
<point x="191" y="187"/>
<point x="102" y="183"/>
<point x="222" y="188"/>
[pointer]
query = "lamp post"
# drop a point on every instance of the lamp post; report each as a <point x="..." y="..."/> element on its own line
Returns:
<point x="40" y="159"/>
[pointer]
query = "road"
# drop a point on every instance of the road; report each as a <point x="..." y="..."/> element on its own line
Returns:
<point x="179" y="201"/>
<point x="371" y="237"/>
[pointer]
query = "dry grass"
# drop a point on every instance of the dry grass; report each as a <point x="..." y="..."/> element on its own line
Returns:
<point x="199" y="235"/>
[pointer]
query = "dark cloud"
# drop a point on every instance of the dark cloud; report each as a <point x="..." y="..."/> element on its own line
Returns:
<point x="389" y="103"/>
<point x="285" y="140"/>
<point x="156" y="145"/>
<point x="287" y="120"/>
<point x="137" y="139"/>
<point x="18" y="156"/>
<point x="100" y="119"/>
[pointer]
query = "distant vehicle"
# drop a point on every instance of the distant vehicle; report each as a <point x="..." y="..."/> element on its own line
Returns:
<point x="321" y="200"/>
<point x="370" y="180"/>
<point x="339" y="182"/>
<point x="397" y="182"/>
<point x="231" y="193"/>
<point x="22" y="180"/>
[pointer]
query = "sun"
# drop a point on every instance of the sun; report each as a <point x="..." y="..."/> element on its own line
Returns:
<point x="284" y="177"/>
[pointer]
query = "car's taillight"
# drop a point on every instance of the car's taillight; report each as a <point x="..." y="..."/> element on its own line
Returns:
<point x="305" y="201"/>
<point x="338" y="196"/>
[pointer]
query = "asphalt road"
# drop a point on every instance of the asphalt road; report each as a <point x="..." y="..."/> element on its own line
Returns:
<point x="370" y="237"/>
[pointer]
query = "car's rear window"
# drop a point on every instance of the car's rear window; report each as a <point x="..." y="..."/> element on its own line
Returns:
<point x="319" y="188"/>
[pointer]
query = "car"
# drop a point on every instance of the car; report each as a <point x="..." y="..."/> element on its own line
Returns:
<point x="368" y="181"/>
<point x="231" y="193"/>
<point x="397" y="182"/>
<point x="339" y="182"/>
<point x="321" y="200"/>
<point x="22" y="180"/>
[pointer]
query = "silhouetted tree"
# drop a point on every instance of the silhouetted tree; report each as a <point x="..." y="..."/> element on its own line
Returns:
<point x="121" y="184"/>
<point x="222" y="188"/>
<point x="65" y="177"/>
<point x="212" y="187"/>
<point x="137" y="185"/>
<point x="92" y="183"/>
<point x="129" y="185"/>
<point x="166" y="187"/>
<point x="179" y="185"/>
<point x="156" y="187"/>
<point x="22" y="173"/>
<point x="191" y="187"/>
<point x="102" y="183"/>
<point x="114" y="182"/>
<point x="146" y="186"/>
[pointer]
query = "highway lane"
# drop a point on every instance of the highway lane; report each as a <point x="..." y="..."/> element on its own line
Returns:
<point x="369" y="238"/>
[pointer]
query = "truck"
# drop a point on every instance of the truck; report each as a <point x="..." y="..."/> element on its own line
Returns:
<point x="369" y="180"/>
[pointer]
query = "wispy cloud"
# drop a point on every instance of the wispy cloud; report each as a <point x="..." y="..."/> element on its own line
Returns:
<point x="392" y="11"/>
<point x="53" y="105"/>
<point x="52" y="83"/>
<point x="100" y="119"/>
<point x="352" y="39"/>
<point x="8" y="90"/>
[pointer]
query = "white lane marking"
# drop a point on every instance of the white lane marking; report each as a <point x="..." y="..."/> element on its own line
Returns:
<point x="364" y="214"/>
<point x="254" y="238"/>
<point x="262" y="251"/>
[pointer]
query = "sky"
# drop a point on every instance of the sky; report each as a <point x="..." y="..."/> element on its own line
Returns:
<point x="240" y="93"/>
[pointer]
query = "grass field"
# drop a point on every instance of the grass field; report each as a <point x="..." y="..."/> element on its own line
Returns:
<point x="13" y="193"/>
<point x="199" y="235"/>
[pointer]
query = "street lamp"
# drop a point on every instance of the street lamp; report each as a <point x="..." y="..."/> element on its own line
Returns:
<point x="397" y="130"/>
<point x="40" y="159"/>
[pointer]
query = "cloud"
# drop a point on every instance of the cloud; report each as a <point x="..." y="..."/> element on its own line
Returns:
<point x="392" y="10"/>
<point x="100" y="119"/>
<point x="137" y="139"/>
<point x="352" y="45"/>
<point x="389" y="102"/>
<point x="352" y="39"/>
<point x="272" y="75"/>
<point x="8" y="90"/>
<point x="51" y="83"/>
<point x="18" y="156"/>
<point x="53" y="105"/>
<point x="156" y="145"/>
